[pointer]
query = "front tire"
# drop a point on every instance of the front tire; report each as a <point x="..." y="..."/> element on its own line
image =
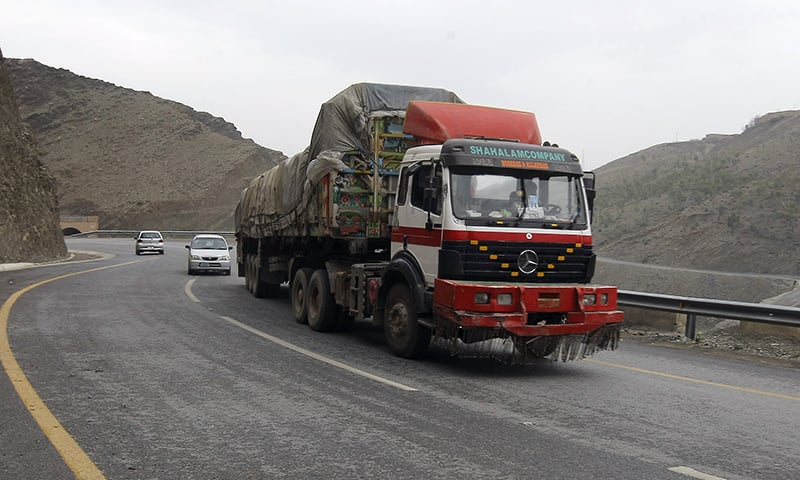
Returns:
<point x="404" y="335"/>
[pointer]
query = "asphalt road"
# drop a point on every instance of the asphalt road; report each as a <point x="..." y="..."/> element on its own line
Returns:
<point x="150" y="373"/>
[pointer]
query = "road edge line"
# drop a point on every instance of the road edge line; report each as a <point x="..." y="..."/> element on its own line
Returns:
<point x="317" y="356"/>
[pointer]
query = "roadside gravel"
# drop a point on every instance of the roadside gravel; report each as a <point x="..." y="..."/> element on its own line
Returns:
<point x="725" y="339"/>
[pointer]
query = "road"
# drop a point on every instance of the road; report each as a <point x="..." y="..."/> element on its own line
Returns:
<point x="150" y="373"/>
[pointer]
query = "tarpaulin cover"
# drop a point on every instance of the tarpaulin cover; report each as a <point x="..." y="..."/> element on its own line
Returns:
<point x="343" y="121"/>
<point x="278" y="199"/>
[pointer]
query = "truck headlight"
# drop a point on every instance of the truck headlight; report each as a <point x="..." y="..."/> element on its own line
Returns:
<point x="504" y="298"/>
<point x="589" y="299"/>
<point x="481" y="298"/>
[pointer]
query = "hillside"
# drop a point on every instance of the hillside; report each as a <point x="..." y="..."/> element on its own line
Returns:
<point x="135" y="160"/>
<point x="726" y="202"/>
<point x="28" y="205"/>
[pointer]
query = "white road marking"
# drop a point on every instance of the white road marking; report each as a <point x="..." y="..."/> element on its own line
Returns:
<point x="691" y="472"/>
<point x="319" y="357"/>
<point x="188" y="290"/>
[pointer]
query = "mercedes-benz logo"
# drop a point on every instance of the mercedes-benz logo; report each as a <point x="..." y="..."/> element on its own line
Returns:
<point x="528" y="261"/>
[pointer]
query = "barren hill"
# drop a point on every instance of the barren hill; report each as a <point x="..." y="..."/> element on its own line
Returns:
<point x="133" y="159"/>
<point x="726" y="202"/>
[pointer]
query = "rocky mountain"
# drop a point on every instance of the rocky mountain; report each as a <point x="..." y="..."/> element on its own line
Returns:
<point x="29" y="226"/>
<point x="726" y="202"/>
<point x="135" y="160"/>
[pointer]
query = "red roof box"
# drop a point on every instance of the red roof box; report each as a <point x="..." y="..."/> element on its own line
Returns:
<point x="435" y="122"/>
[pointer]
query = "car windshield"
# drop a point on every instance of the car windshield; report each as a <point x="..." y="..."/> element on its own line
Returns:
<point x="522" y="196"/>
<point x="209" y="244"/>
<point x="151" y="235"/>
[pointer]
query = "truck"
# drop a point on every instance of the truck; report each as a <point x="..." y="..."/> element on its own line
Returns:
<point x="437" y="221"/>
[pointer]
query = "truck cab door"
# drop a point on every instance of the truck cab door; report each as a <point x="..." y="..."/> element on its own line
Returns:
<point x="417" y="224"/>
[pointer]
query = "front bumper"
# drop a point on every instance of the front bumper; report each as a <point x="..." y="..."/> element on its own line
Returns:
<point x="210" y="265"/>
<point x="533" y="311"/>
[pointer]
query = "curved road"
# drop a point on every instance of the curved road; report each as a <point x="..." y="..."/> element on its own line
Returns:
<point x="150" y="373"/>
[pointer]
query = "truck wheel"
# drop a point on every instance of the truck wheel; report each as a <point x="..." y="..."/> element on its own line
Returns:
<point x="248" y="276"/>
<point x="319" y="302"/>
<point x="299" y="290"/>
<point x="404" y="335"/>
<point x="260" y="288"/>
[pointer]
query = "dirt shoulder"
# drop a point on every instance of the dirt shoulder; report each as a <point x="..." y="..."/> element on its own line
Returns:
<point x="725" y="340"/>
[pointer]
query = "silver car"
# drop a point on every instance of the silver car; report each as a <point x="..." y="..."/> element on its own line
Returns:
<point x="149" y="241"/>
<point x="209" y="253"/>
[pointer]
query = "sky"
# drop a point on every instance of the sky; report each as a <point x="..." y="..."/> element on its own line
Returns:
<point x="604" y="78"/>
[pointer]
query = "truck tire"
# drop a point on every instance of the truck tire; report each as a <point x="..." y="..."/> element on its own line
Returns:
<point x="248" y="273"/>
<point x="260" y="288"/>
<point x="298" y="294"/>
<point x="404" y="335"/>
<point x="320" y="307"/>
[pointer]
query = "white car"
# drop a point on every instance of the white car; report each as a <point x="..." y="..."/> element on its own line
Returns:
<point x="149" y="241"/>
<point x="209" y="253"/>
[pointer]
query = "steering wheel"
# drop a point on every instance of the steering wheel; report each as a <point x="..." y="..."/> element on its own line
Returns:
<point x="552" y="209"/>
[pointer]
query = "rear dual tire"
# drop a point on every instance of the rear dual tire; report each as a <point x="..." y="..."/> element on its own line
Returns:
<point x="252" y="277"/>
<point x="321" y="310"/>
<point x="299" y="291"/>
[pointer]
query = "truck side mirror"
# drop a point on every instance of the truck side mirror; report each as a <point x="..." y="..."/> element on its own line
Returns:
<point x="430" y="198"/>
<point x="431" y="194"/>
<point x="588" y="185"/>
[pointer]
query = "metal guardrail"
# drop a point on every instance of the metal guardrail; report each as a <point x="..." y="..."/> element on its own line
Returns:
<point x="704" y="307"/>
<point x="133" y="233"/>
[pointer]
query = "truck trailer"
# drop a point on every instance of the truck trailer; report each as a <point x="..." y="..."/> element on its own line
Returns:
<point x="435" y="220"/>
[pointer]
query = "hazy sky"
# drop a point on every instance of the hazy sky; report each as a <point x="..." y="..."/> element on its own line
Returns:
<point x="605" y="78"/>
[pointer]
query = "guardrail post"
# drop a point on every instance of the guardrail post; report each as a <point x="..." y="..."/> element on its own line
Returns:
<point x="691" y="326"/>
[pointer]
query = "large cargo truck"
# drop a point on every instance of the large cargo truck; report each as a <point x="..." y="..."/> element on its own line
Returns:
<point x="433" y="219"/>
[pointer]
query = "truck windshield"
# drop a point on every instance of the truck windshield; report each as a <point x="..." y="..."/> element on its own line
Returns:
<point x="517" y="198"/>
